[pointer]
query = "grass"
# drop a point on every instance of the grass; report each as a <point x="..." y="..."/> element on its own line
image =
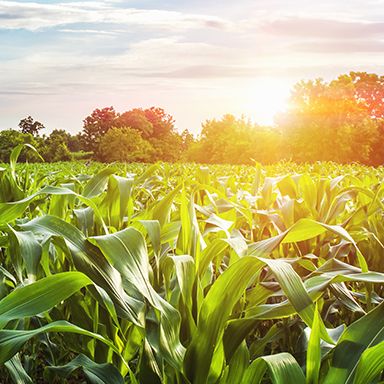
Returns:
<point x="180" y="273"/>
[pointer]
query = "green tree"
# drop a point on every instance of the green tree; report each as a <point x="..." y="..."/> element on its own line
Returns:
<point x="235" y="141"/>
<point x="325" y="122"/>
<point x="168" y="148"/>
<point x="76" y="143"/>
<point x="96" y="125"/>
<point x="31" y="126"/>
<point x="60" y="135"/>
<point x="9" y="138"/>
<point x="166" y="142"/>
<point x="187" y="142"/>
<point x="377" y="152"/>
<point x="136" y="119"/>
<point x="163" y="123"/>
<point x="366" y="88"/>
<point x="124" y="144"/>
<point x="55" y="146"/>
<point x="153" y="125"/>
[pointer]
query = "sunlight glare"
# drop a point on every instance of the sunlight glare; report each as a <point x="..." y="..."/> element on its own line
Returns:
<point x="262" y="100"/>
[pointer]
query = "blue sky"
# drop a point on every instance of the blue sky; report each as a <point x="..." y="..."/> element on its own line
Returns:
<point x="59" y="60"/>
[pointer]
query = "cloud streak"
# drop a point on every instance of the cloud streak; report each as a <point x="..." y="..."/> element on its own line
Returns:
<point x="323" y="28"/>
<point x="34" y="16"/>
<point x="340" y="46"/>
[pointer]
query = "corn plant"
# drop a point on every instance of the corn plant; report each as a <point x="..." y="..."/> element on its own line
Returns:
<point x="181" y="273"/>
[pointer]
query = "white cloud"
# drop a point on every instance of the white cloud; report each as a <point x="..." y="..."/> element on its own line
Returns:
<point x="88" y="31"/>
<point x="34" y="16"/>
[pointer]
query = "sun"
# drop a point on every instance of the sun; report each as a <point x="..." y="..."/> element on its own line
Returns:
<point x="263" y="99"/>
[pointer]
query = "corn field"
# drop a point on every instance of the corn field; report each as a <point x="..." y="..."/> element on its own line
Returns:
<point x="181" y="273"/>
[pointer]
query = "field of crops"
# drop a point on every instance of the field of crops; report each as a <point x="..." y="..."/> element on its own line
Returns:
<point x="134" y="273"/>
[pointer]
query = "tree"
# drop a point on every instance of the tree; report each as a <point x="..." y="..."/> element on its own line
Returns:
<point x="168" y="144"/>
<point x="55" y="146"/>
<point x="76" y="143"/>
<point x="57" y="151"/>
<point x="124" y="144"/>
<point x="153" y="124"/>
<point x="235" y="141"/>
<point x="366" y="88"/>
<point x="168" y="148"/>
<point x="97" y="125"/>
<point x="187" y="140"/>
<point x="9" y="138"/>
<point x="162" y="122"/>
<point x="325" y="122"/>
<point x="60" y="135"/>
<point x="136" y="119"/>
<point x="377" y="152"/>
<point x="29" y="125"/>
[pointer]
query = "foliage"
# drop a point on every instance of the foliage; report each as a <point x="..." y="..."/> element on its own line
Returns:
<point x="96" y="125"/>
<point x="136" y="119"/>
<point x="10" y="138"/>
<point x="30" y="126"/>
<point x="236" y="139"/>
<point x="60" y="145"/>
<point x="76" y="143"/>
<point x="326" y="121"/>
<point x="377" y="152"/>
<point x="163" y="123"/>
<point x="341" y="120"/>
<point x="82" y="155"/>
<point x="125" y="145"/>
<point x="168" y="148"/>
<point x="366" y="88"/>
<point x="178" y="273"/>
<point x="55" y="147"/>
<point x="154" y="125"/>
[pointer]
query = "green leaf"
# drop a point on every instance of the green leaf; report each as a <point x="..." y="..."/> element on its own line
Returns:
<point x="214" y="313"/>
<point x="96" y="373"/>
<point x="314" y="351"/>
<point x="98" y="183"/>
<point x="360" y="335"/>
<point x="370" y="365"/>
<point x="282" y="369"/>
<point x="16" y="153"/>
<point x="24" y="245"/>
<point x="89" y="260"/>
<point x="40" y="296"/>
<point x="17" y="371"/>
<point x="162" y="209"/>
<point x="12" y="340"/>
<point x="296" y="293"/>
<point x="238" y="365"/>
<point x="128" y="253"/>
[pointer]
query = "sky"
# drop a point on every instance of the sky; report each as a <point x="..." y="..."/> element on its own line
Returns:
<point x="59" y="60"/>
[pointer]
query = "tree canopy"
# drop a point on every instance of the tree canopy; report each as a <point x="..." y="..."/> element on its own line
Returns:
<point x="366" y="88"/>
<point x="29" y="125"/>
<point x="341" y="120"/>
<point x="124" y="144"/>
<point x="326" y="121"/>
<point x="97" y="124"/>
<point x="237" y="141"/>
<point x="9" y="138"/>
<point x="153" y="126"/>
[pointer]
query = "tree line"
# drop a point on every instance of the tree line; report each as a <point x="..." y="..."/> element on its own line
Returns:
<point x="340" y="120"/>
